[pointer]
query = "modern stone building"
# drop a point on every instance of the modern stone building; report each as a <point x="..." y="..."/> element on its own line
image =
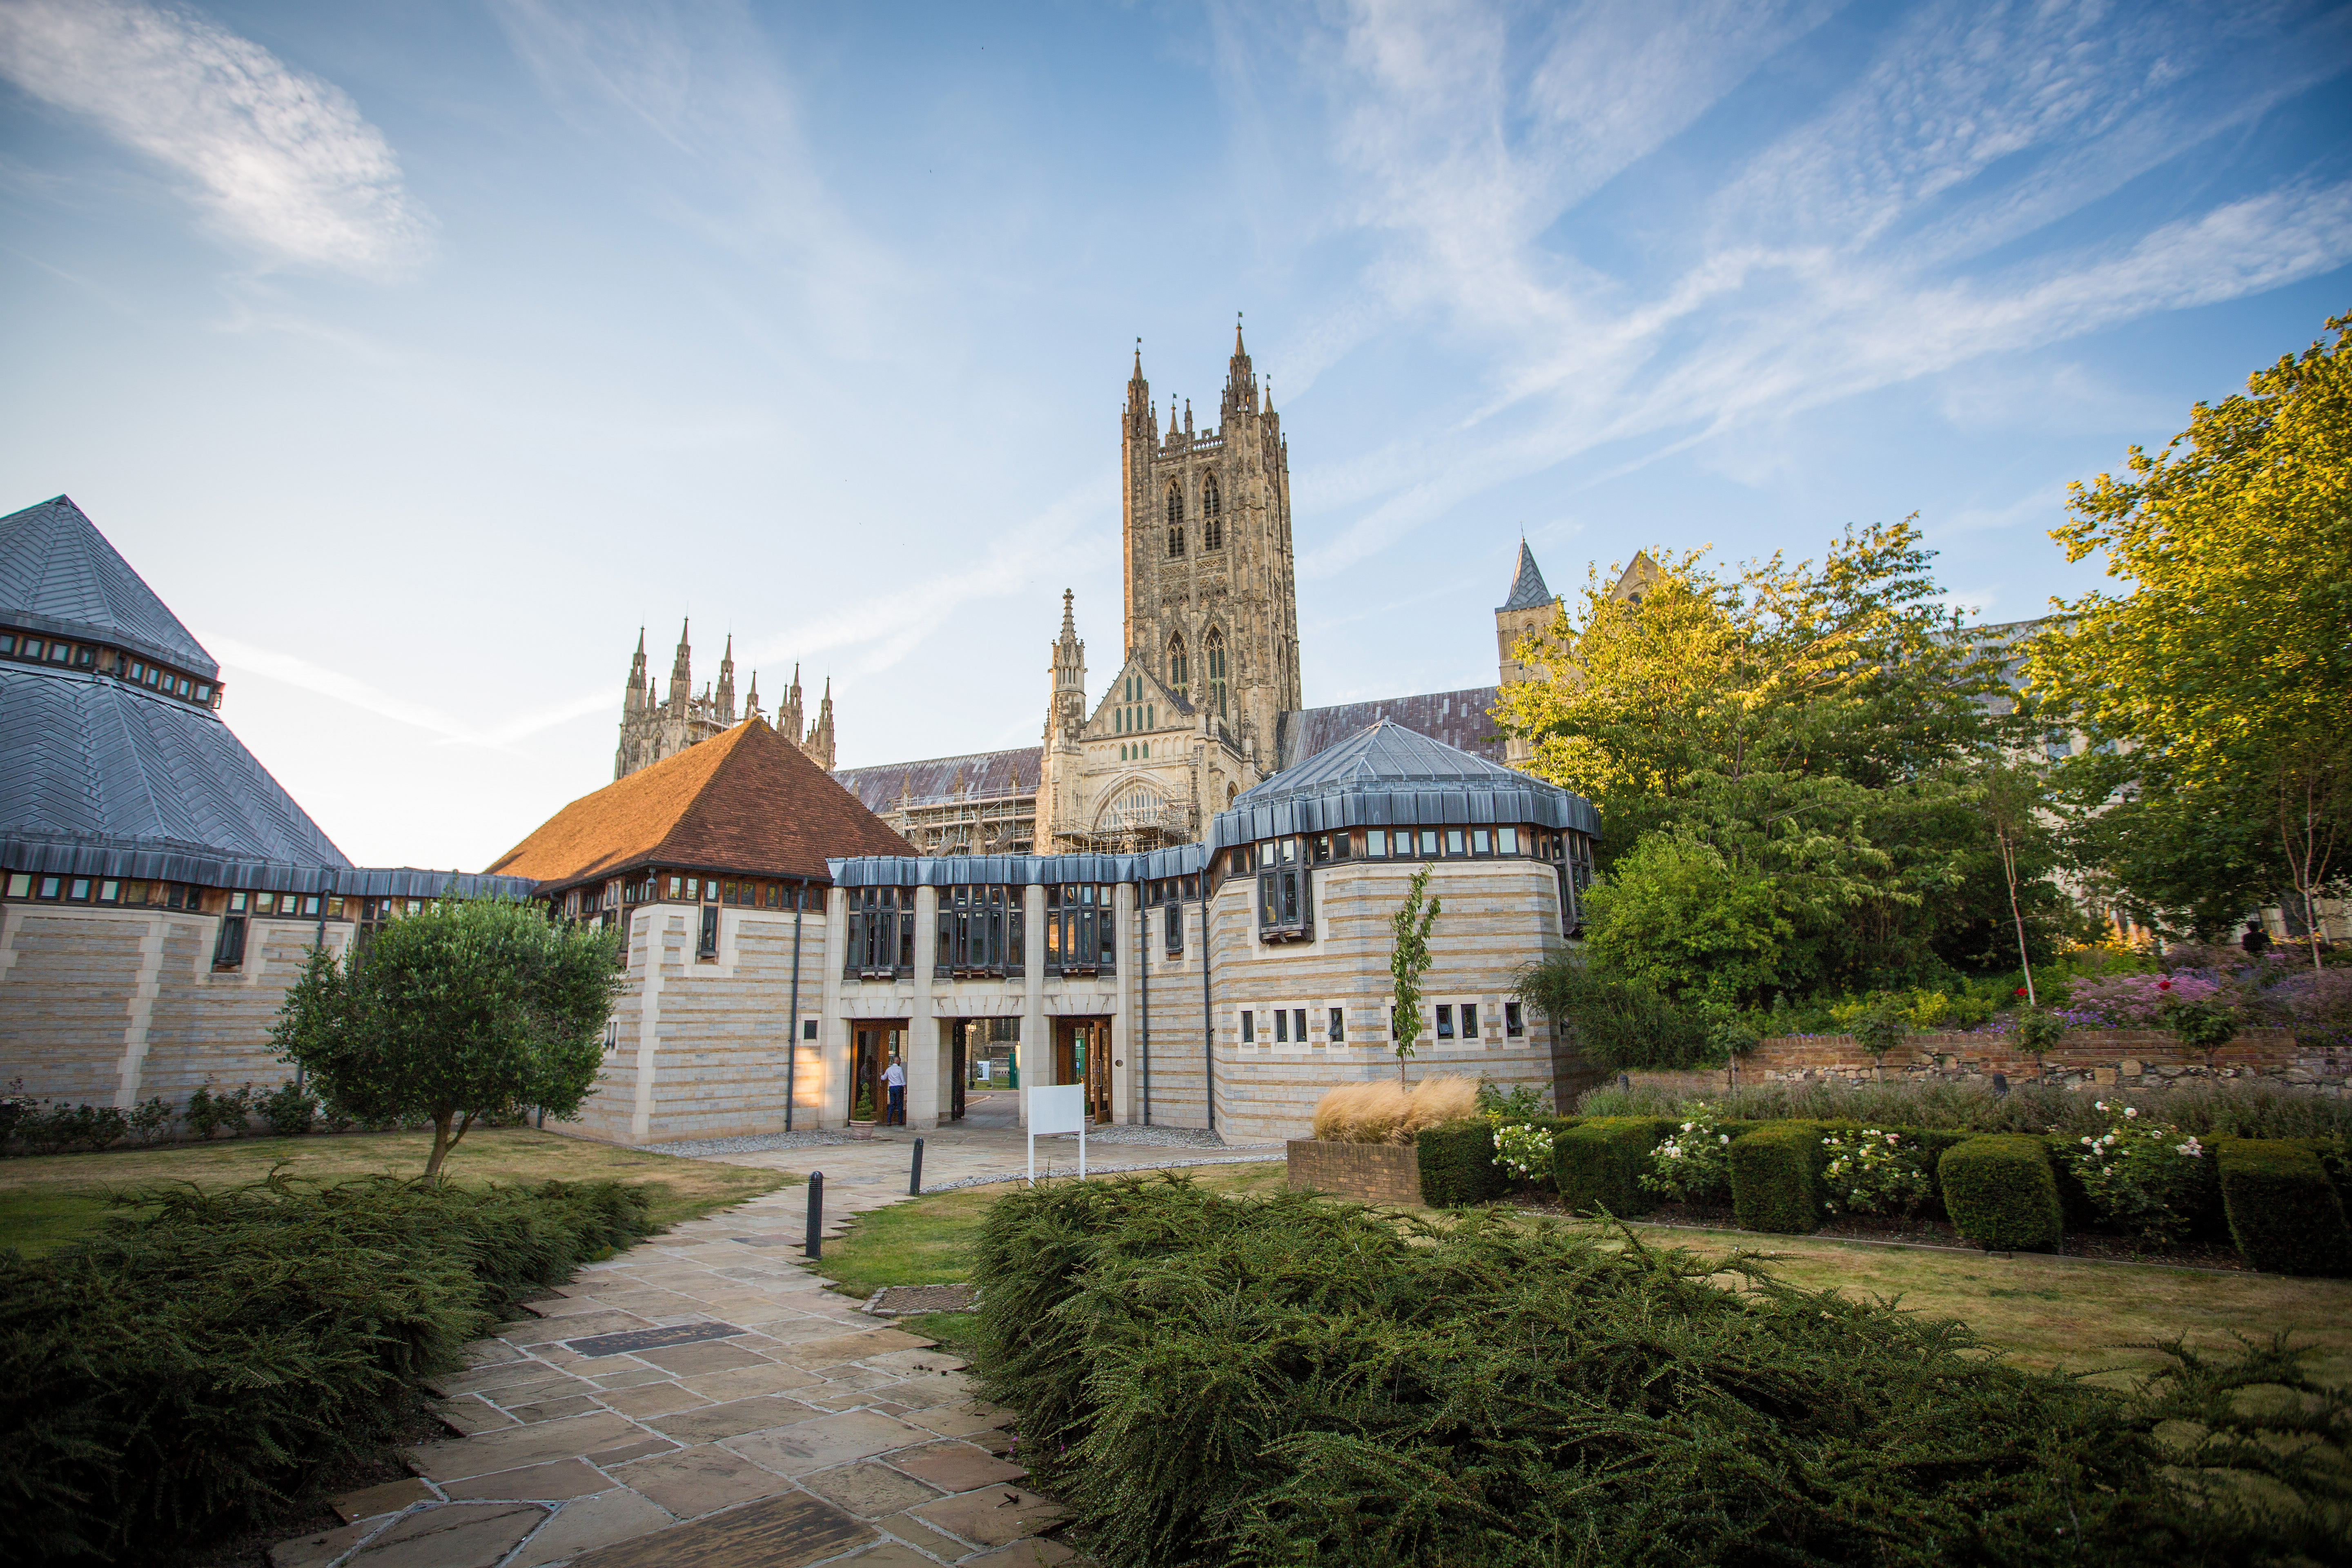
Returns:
<point x="158" y="889"/>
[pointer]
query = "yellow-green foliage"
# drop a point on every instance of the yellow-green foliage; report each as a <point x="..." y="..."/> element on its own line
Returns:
<point x="1386" y="1112"/>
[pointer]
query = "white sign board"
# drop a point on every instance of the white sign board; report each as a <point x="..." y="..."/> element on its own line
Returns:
<point x="1057" y="1109"/>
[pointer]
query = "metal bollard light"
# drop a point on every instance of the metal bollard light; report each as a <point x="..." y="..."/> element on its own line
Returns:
<point x="915" y="1177"/>
<point x="814" y="1244"/>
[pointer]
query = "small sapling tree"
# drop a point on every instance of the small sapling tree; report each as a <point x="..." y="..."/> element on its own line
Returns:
<point x="468" y="1009"/>
<point x="1409" y="961"/>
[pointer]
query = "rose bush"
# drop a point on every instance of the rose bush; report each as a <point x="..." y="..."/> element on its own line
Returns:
<point x="1523" y="1151"/>
<point x="2143" y="1175"/>
<point x="1693" y="1164"/>
<point x="1873" y="1172"/>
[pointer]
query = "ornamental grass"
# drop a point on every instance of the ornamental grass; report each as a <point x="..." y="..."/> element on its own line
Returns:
<point x="1212" y="1380"/>
<point x="192" y="1369"/>
<point x="1385" y="1113"/>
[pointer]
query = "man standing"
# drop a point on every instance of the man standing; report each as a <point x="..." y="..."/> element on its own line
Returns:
<point x="894" y="1079"/>
<point x="2256" y="941"/>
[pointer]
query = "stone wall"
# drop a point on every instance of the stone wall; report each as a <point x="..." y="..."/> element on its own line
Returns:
<point x="1499" y="915"/>
<point x="1365" y="1172"/>
<point x="2083" y="1058"/>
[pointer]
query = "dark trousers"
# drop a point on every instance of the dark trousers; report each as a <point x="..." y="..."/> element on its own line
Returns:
<point x="897" y="1105"/>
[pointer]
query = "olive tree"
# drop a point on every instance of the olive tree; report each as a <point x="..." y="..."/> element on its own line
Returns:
<point x="470" y="1008"/>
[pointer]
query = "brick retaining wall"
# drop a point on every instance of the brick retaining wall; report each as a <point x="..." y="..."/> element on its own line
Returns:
<point x="1367" y="1173"/>
<point x="2083" y="1058"/>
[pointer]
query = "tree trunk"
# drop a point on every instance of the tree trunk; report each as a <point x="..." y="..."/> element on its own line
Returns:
<point x="2009" y="865"/>
<point x="441" y="1142"/>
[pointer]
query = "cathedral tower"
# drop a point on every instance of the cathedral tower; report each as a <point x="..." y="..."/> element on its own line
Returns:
<point x="1212" y="602"/>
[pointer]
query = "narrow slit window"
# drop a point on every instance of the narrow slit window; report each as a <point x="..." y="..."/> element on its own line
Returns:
<point x="1444" y="1020"/>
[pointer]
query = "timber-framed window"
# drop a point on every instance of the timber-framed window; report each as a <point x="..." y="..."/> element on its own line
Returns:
<point x="980" y="932"/>
<point x="881" y="933"/>
<point x="1212" y="521"/>
<point x="1081" y="931"/>
<point x="1286" y="893"/>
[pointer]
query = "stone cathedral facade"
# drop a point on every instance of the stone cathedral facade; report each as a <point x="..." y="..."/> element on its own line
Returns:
<point x="657" y="726"/>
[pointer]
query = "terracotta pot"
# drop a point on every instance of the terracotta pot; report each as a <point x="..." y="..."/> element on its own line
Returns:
<point x="861" y="1129"/>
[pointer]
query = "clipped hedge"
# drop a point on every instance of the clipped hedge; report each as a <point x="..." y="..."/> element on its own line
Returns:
<point x="187" y="1372"/>
<point x="1457" y="1164"/>
<point x="1776" y="1177"/>
<point x="1599" y="1164"/>
<point x="2001" y="1194"/>
<point x="2283" y="1213"/>
<point x="1206" y="1380"/>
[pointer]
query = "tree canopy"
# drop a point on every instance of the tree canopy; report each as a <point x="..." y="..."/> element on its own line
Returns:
<point x="2220" y="680"/>
<point x="467" y="1009"/>
<point x="1812" y="739"/>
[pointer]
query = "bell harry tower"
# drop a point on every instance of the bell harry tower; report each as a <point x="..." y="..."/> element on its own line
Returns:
<point x="1212" y="602"/>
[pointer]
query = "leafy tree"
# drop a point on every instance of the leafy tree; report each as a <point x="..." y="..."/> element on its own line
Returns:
<point x="468" y="1009"/>
<point x="1621" y="1025"/>
<point x="1816" y="727"/>
<point x="1675" y="915"/>
<point x="1409" y="961"/>
<point x="2225" y="672"/>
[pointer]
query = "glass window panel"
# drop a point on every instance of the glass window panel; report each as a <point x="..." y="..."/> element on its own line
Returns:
<point x="1281" y="1026"/>
<point x="1445" y="1021"/>
<point x="1469" y="1020"/>
<point x="1339" y="1026"/>
<point x="1508" y="840"/>
<point x="1249" y="1026"/>
<point x="1480" y="842"/>
<point x="1514" y="1023"/>
<point x="1454" y="841"/>
<point x="1298" y="1023"/>
<point x="1376" y="843"/>
<point x="1428" y="843"/>
<point x="81" y="893"/>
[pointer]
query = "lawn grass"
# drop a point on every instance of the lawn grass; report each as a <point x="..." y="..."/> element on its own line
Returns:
<point x="48" y="1200"/>
<point x="928" y="1241"/>
<point x="2038" y="1311"/>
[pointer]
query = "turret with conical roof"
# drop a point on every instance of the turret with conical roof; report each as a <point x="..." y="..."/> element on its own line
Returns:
<point x="1527" y="610"/>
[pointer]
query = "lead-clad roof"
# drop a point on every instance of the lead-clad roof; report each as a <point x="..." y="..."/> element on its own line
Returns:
<point x="59" y="575"/>
<point x="98" y="777"/>
<point x="1528" y="590"/>
<point x="1386" y="775"/>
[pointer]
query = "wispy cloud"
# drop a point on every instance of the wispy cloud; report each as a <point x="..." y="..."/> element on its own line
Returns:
<point x="275" y="156"/>
<point x="1928" y="211"/>
<point x="239" y="657"/>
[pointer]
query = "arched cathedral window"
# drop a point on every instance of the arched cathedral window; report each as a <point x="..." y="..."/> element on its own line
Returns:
<point x="1175" y="521"/>
<point x="1216" y="649"/>
<point x="1213" y="522"/>
<point x="1180" y="673"/>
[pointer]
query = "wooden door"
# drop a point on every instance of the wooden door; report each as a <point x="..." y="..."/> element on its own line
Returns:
<point x="1082" y="1054"/>
<point x="874" y="1045"/>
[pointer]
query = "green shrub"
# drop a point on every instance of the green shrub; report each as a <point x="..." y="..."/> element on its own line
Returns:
<point x="181" y="1375"/>
<point x="1457" y="1164"/>
<point x="1205" y="1380"/>
<point x="1600" y="1163"/>
<point x="2285" y="1213"/>
<point x="2000" y="1194"/>
<point x="1692" y="1163"/>
<point x="150" y="1119"/>
<point x="289" y="1110"/>
<point x="1776" y="1178"/>
<point x="213" y="1111"/>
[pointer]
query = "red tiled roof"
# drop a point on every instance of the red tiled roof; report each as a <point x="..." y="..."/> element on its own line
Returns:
<point x="747" y="801"/>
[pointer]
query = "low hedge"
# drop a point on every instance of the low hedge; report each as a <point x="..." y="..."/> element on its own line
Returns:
<point x="188" y="1372"/>
<point x="1599" y="1162"/>
<point x="2001" y="1194"/>
<point x="2283" y="1213"/>
<point x="1457" y="1164"/>
<point x="1207" y="1381"/>
<point x="1776" y="1177"/>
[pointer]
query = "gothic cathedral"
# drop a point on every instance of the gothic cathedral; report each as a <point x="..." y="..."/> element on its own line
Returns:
<point x="655" y="727"/>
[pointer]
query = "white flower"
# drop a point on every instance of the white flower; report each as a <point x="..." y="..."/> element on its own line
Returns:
<point x="2099" y="1105"/>
<point x="2129" y="1111"/>
<point x="1723" y="1138"/>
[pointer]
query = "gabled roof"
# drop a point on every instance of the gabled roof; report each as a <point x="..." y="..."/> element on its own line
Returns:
<point x="91" y="763"/>
<point x="1460" y="719"/>
<point x="57" y="574"/>
<point x="747" y="801"/>
<point x="1528" y="590"/>
<point x="932" y="779"/>
<point x="1155" y="692"/>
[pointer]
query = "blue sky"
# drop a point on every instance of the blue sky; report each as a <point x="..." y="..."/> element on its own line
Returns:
<point x="419" y="354"/>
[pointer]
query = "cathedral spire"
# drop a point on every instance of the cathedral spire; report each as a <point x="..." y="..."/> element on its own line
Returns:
<point x="635" y="698"/>
<point x="727" y="682"/>
<point x="681" y="672"/>
<point x="1241" y="383"/>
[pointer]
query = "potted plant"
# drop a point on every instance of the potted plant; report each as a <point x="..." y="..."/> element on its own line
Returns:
<point x="861" y="1117"/>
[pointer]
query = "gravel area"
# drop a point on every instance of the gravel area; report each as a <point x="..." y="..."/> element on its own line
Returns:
<point x="759" y="1144"/>
<point x="1167" y="1138"/>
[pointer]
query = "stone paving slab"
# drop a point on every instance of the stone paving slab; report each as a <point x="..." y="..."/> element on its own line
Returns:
<point x="789" y="1427"/>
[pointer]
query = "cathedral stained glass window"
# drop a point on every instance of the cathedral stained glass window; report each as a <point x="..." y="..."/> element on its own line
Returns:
<point x="1175" y="521"/>
<point x="1216" y="659"/>
<point x="1213" y="522"/>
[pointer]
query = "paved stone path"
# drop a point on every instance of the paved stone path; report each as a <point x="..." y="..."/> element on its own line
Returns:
<point x="703" y="1401"/>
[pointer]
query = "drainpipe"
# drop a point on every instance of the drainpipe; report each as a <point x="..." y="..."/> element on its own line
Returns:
<point x="1207" y="1019"/>
<point x="1143" y="976"/>
<point x="792" y="1023"/>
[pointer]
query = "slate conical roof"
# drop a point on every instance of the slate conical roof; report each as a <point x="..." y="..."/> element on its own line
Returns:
<point x="748" y="800"/>
<point x="1386" y="774"/>
<point x="57" y="574"/>
<point x="1528" y="590"/>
